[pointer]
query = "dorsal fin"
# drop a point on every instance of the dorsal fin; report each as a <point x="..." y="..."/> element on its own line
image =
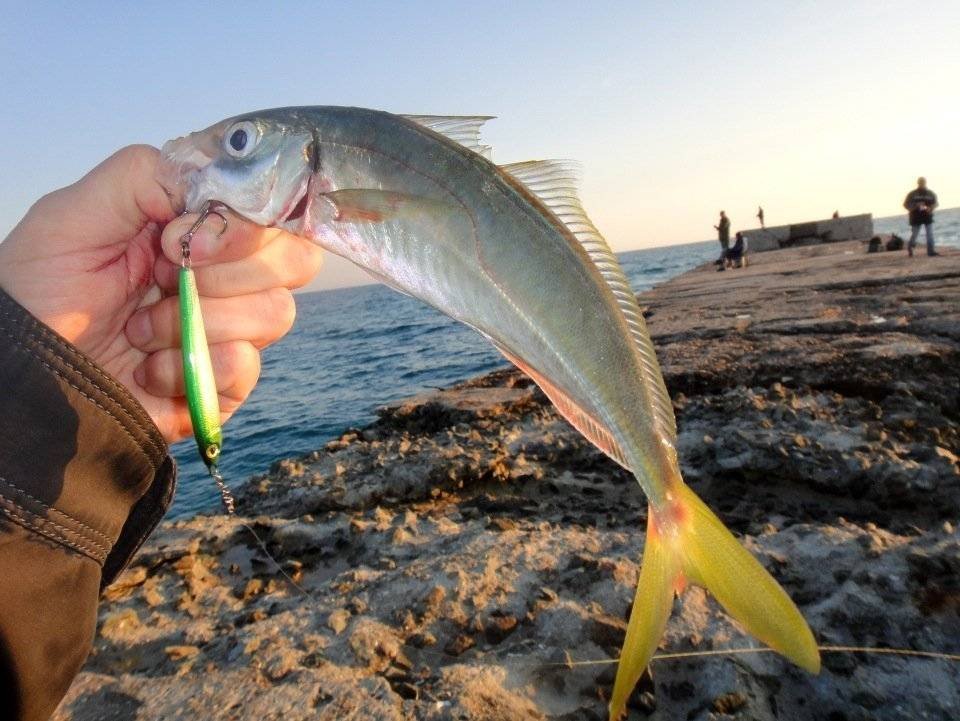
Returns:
<point x="554" y="183"/>
<point x="463" y="129"/>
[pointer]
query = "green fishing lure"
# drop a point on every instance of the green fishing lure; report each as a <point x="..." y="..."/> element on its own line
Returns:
<point x="199" y="380"/>
<point x="201" y="385"/>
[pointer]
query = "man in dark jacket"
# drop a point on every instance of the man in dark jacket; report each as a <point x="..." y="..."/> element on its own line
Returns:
<point x="921" y="202"/>
<point x="92" y="390"/>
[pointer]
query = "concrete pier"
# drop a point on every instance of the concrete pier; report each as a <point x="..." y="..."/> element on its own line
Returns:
<point x="853" y="227"/>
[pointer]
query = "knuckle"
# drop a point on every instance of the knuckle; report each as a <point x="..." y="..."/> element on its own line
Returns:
<point x="282" y="310"/>
<point x="162" y="372"/>
<point x="163" y="321"/>
<point x="308" y="263"/>
<point x="139" y="159"/>
<point x="239" y="368"/>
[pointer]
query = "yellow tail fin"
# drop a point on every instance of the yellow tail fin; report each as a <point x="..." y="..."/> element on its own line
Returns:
<point x="693" y="545"/>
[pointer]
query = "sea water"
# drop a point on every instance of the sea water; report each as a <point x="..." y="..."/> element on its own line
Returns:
<point x="355" y="349"/>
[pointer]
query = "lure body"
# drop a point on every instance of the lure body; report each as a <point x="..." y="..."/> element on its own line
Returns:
<point x="201" y="386"/>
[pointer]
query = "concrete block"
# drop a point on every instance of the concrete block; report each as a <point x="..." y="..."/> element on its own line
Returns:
<point x="818" y="231"/>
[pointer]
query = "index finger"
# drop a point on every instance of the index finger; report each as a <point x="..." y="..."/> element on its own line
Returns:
<point x="214" y="243"/>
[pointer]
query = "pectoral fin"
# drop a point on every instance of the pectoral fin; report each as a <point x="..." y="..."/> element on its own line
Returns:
<point x="360" y="204"/>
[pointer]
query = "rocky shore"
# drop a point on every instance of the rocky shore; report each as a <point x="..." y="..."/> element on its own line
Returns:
<point x="462" y="556"/>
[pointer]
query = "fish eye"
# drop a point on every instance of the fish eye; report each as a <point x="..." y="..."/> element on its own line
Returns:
<point x="241" y="138"/>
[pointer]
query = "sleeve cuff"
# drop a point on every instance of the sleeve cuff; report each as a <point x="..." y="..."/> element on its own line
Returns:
<point x="81" y="462"/>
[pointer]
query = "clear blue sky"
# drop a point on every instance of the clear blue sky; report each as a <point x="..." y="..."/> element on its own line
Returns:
<point x="674" y="110"/>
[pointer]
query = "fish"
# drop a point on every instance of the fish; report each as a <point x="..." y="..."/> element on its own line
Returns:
<point x="508" y="250"/>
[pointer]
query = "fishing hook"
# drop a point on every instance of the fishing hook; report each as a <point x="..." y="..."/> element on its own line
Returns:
<point x="207" y="210"/>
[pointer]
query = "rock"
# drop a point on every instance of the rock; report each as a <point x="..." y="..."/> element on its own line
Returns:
<point x="499" y="627"/>
<point x="127" y="581"/>
<point x="503" y="524"/>
<point x="338" y="620"/>
<point x="120" y="622"/>
<point x="181" y="653"/>
<point x="729" y="703"/>
<point x="252" y="588"/>
<point x="422" y="639"/>
<point x="458" y="644"/>
<point x="280" y="664"/>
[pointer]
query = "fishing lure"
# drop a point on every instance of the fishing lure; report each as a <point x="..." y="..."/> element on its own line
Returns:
<point x="200" y="382"/>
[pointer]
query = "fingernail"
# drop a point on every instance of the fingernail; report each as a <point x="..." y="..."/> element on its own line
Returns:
<point x="140" y="329"/>
<point x="203" y="245"/>
<point x="140" y="376"/>
<point x="207" y="241"/>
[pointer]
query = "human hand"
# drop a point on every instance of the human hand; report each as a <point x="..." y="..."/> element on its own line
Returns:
<point x="97" y="262"/>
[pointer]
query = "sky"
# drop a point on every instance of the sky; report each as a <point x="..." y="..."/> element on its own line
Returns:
<point x="675" y="111"/>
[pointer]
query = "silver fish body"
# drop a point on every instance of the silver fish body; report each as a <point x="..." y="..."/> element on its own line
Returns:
<point x="446" y="225"/>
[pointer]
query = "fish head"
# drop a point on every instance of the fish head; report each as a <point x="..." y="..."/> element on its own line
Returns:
<point x="257" y="165"/>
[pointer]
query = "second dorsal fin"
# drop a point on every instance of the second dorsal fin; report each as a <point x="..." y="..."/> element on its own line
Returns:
<point x="554" y="183"/>
<point x="463" y="129"/>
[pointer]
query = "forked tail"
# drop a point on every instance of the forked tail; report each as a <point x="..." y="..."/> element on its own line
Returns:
<point x="692" y="545"/>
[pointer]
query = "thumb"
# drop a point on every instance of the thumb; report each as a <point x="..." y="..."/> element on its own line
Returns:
<point x="112" y="203"/>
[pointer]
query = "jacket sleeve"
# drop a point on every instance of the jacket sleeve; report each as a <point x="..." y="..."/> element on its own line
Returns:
<point x="85" y="476"/>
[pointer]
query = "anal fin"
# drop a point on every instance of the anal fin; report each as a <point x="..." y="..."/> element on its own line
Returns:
<point x="590" y="427"/>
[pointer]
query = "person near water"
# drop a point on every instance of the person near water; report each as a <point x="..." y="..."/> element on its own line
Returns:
<point x="920" y="204"/>
<point x="736" y="256"/>
<point x="723" y="235"/>
<point x="92" y="378"/>
<point x="760" y="217"/>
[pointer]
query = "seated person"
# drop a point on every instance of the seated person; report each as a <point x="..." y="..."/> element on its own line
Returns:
<point x="737" y="254"/>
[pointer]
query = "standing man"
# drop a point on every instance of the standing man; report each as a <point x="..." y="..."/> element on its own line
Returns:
<point x="760" y="216"/>
<point x="723" y="233"/>
<point x="921" y="202"/>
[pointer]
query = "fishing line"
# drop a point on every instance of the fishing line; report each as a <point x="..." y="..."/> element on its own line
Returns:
<point x="229" y="503"/>
<point x="679" y="655"/>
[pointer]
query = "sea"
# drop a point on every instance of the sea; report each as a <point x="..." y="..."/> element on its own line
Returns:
<point x="353" y="350"/>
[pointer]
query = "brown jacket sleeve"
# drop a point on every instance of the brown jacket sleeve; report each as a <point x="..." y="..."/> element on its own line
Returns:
<point x="85" y="476"/>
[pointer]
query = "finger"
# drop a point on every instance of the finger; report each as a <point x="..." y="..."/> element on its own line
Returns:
<point x="216" y="241"/>
<point x="117" y="199"/>
<point x="236" y="365"/>
<point x="259" y="318"/>
<point x="287" y="262"/>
